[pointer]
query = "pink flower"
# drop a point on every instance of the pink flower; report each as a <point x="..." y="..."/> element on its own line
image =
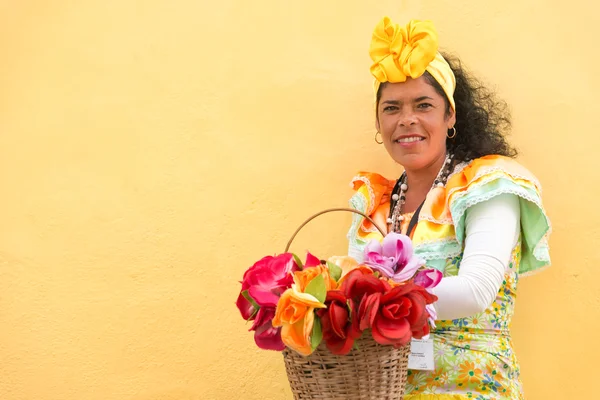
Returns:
<point x="393" y="258"/>
<point x="264" y="283"/>
<point x="262" y="286"/>
<point x="266" y="336"/>
<point x="428" y="278"/>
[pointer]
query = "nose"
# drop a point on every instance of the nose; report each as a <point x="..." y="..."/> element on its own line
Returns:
<point x="407" y="118"/>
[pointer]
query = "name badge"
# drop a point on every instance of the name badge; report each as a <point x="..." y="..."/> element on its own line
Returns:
<point x="421" y="355"/>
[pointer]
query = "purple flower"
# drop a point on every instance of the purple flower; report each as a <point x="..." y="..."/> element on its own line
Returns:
<point x="393" y="258"/>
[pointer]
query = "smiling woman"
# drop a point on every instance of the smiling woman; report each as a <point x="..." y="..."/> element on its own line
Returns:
<point x="413" y="122"/>
<point x="472" y="211"/>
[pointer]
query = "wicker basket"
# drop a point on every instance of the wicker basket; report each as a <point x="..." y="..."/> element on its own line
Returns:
<point x="369" y="372"/>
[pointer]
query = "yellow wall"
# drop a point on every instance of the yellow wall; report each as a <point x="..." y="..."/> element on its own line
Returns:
<point x="151" y="150"/>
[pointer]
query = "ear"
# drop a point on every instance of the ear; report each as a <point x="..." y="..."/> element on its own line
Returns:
<point x="377" y="124"/>
<point x="452" y="118"/>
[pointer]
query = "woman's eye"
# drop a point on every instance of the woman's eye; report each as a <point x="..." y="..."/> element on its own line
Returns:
<point x="390" y="108"/>
<point x="424" y="106"/>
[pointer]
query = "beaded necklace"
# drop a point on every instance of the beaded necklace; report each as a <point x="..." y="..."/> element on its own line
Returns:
<point x="399" y="193"/>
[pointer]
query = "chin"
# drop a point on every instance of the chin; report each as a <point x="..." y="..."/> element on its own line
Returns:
<point x="412" y="161"/>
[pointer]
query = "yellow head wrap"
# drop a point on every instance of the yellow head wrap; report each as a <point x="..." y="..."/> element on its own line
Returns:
<point x="401" y="52"/>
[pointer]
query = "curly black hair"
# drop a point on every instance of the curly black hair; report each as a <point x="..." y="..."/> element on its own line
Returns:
<point x="482" y="119"/>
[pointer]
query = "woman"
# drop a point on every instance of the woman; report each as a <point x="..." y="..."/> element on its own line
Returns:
<point x="472" y="211"/>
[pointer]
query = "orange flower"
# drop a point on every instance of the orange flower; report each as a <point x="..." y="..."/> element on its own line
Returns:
<point x="494" y="370"/>
<point x="346" y="263"/>
<point x="469" y="374"/>
<point x="297" y="336"/>
<point x="303" y="278"/>
<point x="289" y="310"/>
<point x="438" y="378"/>
<point x="295" y="313"/>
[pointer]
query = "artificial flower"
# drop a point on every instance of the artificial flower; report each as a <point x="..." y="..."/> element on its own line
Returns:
<point x="304" y="277"/>
<point x="346" y="263"/>
<point x="264" y="282"/>
<point x="428" y="278"/>
<point x="339" y="323"/>
<point x="266" y="336"/>
<point x="295" y="315"/>
<point x="400" y="315"/>
<point x="394" y="258"/>
<point x="361" y="282"/>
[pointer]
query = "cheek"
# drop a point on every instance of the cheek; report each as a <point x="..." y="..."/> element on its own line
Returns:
<point x="386" y="125"/>
<point x="437" y="132"/>
<point x="440" y="137"/>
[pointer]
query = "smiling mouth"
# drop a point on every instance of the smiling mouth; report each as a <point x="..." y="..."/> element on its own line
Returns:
<point x="410" y="139"/>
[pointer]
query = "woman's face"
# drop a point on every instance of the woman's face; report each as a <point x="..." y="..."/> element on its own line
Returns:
<point x="413" y="123"/>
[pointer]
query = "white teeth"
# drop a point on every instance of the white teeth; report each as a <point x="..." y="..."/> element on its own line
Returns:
<point x="409" y="139"/>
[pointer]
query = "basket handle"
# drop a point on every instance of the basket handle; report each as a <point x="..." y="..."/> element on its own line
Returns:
<point x="287" y="247"/>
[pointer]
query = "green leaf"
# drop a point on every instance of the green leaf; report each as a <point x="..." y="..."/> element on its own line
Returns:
<point x="298" y="261"/>
<point x="317" y="288"/>
<point x="317" y="334"/>
<point x="334" y="271"/>
<point x="254" y="304"/>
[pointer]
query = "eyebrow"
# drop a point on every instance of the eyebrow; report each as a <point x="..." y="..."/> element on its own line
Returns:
<point x="422" y="98"/>
<point x="396" y="102"/>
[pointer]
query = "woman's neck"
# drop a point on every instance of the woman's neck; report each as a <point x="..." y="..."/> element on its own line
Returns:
<point x="419" y="183"/>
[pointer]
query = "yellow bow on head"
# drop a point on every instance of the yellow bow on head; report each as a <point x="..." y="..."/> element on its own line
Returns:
<point x="402" y="52"/>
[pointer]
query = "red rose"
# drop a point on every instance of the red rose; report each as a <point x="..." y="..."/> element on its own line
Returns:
<point x="359" y="283"/>
<point x="400" y="314"/>
<point x="340" y="326"/>
<point x="367" y="311"/>
<point x="418" y="316"/>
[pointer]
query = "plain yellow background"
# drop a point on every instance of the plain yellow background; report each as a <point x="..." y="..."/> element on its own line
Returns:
<point x="150" y="151"/>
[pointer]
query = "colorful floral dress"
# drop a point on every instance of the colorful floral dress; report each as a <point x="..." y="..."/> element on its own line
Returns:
<point x="474" y="356"/>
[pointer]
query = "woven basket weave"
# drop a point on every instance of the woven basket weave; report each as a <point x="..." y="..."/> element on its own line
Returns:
<point x="369" y="372"/>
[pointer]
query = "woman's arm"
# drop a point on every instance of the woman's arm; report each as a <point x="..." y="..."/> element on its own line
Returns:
<point x="492" y="231"/>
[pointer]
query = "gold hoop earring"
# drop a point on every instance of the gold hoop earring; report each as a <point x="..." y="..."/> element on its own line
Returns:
<point x="377" y="141"/>
<point x="453" y="133"/>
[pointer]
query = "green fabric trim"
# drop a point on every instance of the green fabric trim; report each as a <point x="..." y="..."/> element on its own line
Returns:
<point x="534" y="222"/>
<point x="436" y="252"/>
<point x="356" y="246"/>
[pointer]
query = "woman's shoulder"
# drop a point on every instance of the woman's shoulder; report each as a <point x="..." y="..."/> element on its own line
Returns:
<point x="373" y="180"/>
<point x="489" y="168"/>
<point x="376" y="188"/>
<point x="487" y="177"/>
<point x="372" y="197"/>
